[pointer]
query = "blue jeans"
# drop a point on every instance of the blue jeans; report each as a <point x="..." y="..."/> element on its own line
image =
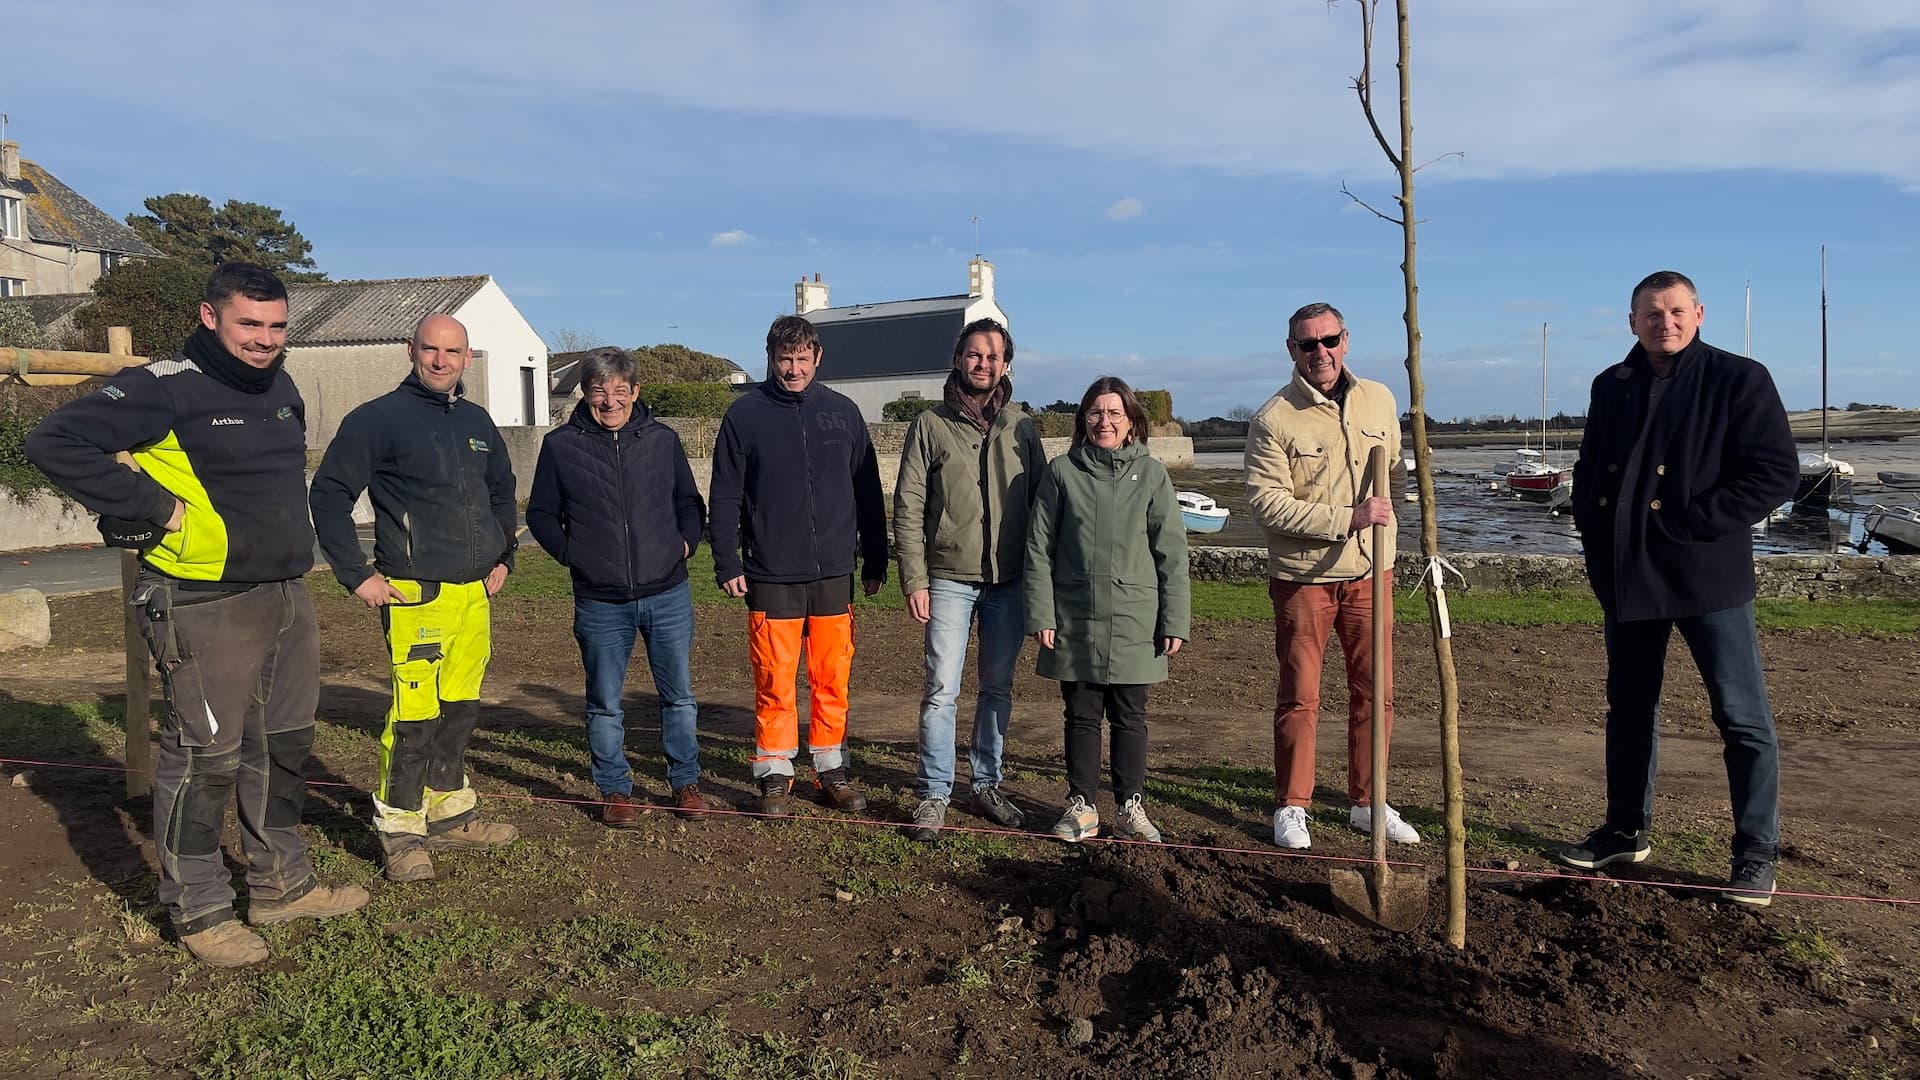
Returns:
<point x="606" y="633"/>
<point x="1726" y="649"/>
<point x="952" y="606"/>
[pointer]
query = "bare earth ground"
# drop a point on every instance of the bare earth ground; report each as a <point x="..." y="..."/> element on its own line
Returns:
<point x="976" y="957"/>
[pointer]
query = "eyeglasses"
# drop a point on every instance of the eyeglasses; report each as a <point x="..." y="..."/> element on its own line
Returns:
<point x="1330" y="342"/>
<point x="604" y="393"/>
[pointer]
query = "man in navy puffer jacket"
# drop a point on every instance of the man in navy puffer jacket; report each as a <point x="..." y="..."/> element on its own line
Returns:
<point x="614" y="501"/>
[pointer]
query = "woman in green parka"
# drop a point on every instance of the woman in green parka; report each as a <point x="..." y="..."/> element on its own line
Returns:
<point x="1107" y="599"/>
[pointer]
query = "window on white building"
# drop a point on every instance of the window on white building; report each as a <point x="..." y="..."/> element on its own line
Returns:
<point x="109" y="260"/>
<point x="10" y="218"/>
<point x="12" y="286"/>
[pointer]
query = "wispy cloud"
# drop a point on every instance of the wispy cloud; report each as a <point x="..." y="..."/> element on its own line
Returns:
<point x="729" y="239"/>
<point x="1126" y="209"/>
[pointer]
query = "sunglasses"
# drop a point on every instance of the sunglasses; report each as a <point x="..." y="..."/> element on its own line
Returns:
<point x="1330" y="342"/>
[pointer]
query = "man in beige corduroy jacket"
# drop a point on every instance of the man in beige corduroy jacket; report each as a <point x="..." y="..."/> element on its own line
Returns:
<point x="1306" y="465"/>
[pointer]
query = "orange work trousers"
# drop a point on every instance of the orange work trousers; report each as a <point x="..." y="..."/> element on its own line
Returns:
<point x="784" y="620"/>
<point x="1303" y="616"/>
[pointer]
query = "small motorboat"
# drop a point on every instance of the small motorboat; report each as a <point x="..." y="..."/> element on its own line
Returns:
<point x="1199" y="513"/>
<point x="1898" y="527"/>
<point x="1909" y="481"/>
<point x="1533" y="477"/>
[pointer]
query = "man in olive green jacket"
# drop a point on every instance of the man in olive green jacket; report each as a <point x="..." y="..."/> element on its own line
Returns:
<point x="1306" y="463"/>
<point x="960" y="507"/>
<point x="1107" y="598"/>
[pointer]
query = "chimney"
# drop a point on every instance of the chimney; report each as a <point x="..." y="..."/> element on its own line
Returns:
<point x="10" y="162"/>
<point x="809" y="295"/>
<point x="980" y="278"/>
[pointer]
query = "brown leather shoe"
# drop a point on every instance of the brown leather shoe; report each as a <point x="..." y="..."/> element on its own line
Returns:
<point x="775" y="793"/>
<point x="689" y="803"/>
<point x="837" y="791"/>
<point x="618" y="811"/>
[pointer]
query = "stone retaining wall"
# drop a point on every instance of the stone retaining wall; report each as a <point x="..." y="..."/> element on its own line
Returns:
<point x="1807" y="577"/>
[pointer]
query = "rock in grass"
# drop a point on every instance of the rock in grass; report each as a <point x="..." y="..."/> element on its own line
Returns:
<point x="25" y="620"/>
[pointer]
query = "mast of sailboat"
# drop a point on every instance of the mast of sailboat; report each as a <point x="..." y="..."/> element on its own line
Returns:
<point x="1823" y="351"/>
<point x="1543" y="391"/>
<point x="1746" y="339"/>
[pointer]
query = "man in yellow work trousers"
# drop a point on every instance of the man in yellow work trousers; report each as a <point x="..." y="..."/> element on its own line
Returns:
<point x="441" y="485"/>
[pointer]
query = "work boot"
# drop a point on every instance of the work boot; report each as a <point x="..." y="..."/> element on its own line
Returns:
<point x="227" y="944"/>
<point x="319" y="902"/>
<point x="689" y="803"/>
<point x="406" y="858"/>
<point x="838" y="792"/>
<point x="617" y="812"/>
<point x="473" y="834"/>
<point x="775" y="793"/>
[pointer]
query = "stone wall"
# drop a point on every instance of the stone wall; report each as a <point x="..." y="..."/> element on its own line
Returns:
<point x="1807" y="577"/>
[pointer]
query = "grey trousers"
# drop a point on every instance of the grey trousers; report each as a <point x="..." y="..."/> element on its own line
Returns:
<point x="241" y="675"/>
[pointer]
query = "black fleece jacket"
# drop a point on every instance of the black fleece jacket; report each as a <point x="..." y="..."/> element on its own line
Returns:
<point x="795" y="485"/>
<point x="440" y="482"/>
<point x="615" y="507"/>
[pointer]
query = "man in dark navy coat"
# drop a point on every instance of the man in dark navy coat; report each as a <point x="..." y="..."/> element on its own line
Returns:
<point x="1686" y="446"/>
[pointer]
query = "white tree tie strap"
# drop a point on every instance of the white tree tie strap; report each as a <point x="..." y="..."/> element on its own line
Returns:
<point x="1436" y="571"/>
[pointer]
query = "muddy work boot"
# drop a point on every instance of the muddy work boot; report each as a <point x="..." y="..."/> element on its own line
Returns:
<point x="838" y="792"/>
<point x="226" y="945"/>
<point x="473" y="834"/>
<point x="405" y="858"/>
<point x="776" y="792"/>
<point x="319" y="902"/>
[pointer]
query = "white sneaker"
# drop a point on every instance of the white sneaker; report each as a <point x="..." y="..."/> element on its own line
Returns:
<point x="1078" y="822"/>
<point x="1132" y="824"/>
<point x="1290" y="828"/>
<point x="1398" y="831"/>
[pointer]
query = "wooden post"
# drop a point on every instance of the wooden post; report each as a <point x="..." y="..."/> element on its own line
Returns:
<point x="139" y="661"/>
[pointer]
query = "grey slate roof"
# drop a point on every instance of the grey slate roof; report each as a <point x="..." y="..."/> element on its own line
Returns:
<point x="56" y="214"/>
<point x="371" y="312"/>
<point x="901" y="337"/>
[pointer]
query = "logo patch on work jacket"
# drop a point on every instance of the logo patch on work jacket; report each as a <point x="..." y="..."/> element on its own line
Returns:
<point x="478" y="446"/>
<point x="285" y="413"/>
<point x="227" y="421"/>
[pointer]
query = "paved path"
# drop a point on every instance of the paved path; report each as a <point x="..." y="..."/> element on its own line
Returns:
<point x="78" y="570"/>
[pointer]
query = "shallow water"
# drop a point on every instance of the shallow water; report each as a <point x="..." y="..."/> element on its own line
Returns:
<point x="1476" y="513"/>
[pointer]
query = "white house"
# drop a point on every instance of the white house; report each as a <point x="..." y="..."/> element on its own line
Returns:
<point x="52" y="240"/>
<point x="876" y="353"/>
<point x="347" y="344"/>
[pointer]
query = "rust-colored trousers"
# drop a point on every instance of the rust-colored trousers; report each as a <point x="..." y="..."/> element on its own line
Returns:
<point x="1303" y="616"/>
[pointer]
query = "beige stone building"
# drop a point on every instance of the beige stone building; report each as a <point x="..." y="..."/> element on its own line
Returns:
<point x="51" y="239"/>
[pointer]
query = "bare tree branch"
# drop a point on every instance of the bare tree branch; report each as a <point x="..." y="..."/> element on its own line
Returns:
<point x="1461" y="154"/>
<point x="1365" y="206"/>
<point x="1363" y="83"/>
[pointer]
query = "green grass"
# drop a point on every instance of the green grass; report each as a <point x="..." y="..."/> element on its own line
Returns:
<point x="538" y="576"/>
<point x="61" y="732"/>
<point x="883" y="863"/>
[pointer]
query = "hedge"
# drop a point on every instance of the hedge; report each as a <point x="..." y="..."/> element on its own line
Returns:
<point x="701" y="399"/>
<point x="1158" y="403"/>
<point x="906" y="409"/>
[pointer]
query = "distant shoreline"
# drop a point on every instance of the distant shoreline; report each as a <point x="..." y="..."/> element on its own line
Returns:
<point x="1842" y="427"/>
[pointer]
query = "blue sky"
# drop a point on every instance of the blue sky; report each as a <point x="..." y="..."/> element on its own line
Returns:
<point x="1158" y="185"/>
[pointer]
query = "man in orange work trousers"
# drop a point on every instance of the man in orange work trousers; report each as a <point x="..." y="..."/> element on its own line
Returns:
<point x="794" y="480"/>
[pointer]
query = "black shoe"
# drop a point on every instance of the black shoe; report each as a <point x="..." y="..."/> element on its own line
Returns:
<point x="1751" y="884"/>
<point x="1605" y="846"/>
<point x="997" y="808"/>
<point x="838" y="792"/>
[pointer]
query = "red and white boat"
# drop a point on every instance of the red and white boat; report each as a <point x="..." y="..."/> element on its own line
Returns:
<point x="1534" y="477"/>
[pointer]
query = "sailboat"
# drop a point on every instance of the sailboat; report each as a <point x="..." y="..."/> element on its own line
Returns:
<point x="1824" y="479"/>
<point x="1533" y="476"/>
